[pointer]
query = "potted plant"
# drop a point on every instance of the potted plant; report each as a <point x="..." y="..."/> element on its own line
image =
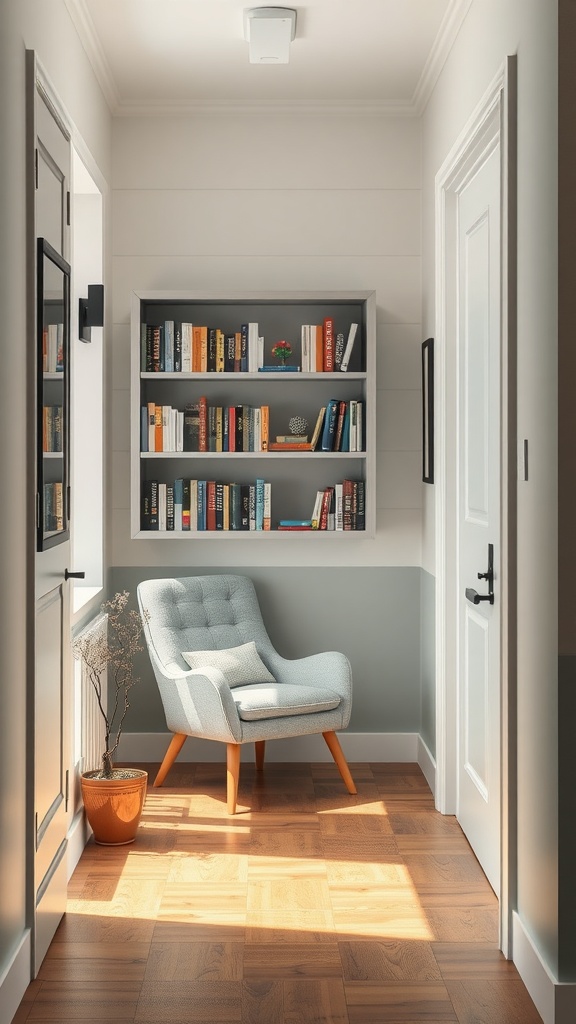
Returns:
<point x="113" y="797"/>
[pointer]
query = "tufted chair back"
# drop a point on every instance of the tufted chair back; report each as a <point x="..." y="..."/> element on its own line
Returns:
<point x="201" y="613"/>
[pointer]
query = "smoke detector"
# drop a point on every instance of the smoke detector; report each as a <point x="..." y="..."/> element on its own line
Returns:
<point x="269" y="31"/>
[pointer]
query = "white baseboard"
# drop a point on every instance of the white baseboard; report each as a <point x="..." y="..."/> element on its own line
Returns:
<point x="15" y="979"/>
<point x="78" y="835"/>
<point x="554" y="1000"/>
<point x="427" y="764"/>
<point x="148" y="747"/>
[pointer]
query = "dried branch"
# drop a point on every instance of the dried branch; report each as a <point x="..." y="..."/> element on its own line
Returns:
<point x="111" y="652"/>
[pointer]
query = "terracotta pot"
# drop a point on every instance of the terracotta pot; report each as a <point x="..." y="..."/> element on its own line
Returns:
<point x="114" y="806"/>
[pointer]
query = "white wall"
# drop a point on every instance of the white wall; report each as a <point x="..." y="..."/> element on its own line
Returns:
<point x="263" y="202"/>
<point x="43" y="25"/>
<point x="493" y="29"/>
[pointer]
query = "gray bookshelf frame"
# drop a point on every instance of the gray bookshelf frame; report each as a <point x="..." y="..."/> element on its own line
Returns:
<point x="288" y="467"/>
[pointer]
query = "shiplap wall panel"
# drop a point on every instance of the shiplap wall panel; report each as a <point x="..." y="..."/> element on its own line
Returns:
<point x="267" y="153"/>
<point x="290" y="222"/>
<point x="261" y="204"/>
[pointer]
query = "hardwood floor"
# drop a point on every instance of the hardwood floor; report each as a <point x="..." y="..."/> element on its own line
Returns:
<point x="310" y="906"/>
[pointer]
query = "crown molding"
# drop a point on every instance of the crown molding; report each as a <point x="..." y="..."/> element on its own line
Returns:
<point x="229" y="110"/>
<point x="414" y="107"/>
<point x="82" y="21"/>
<point x="449" y="28"/>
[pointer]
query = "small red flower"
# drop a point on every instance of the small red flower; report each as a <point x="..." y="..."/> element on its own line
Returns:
<point x="282" y="350"/>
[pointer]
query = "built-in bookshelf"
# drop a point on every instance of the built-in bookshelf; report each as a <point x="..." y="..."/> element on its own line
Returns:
<point x="225" y="443"/>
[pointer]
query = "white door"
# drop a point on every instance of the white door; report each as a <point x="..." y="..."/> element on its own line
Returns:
<point x="478" y="513"/>
<point x="51" y="637"/>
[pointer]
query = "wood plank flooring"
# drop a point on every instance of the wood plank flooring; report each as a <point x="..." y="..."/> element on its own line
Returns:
<point x="309" y="906"/>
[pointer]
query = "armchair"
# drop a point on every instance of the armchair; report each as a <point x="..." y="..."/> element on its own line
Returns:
<point x="239" y="689"/>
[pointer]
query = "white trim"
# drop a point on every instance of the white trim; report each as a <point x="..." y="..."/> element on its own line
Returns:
<point x="472" y="146"/>
<point x="146" y="747"/>
<point x="78" y="835"/>
<point x="428" y="764"/>
<point x="401" y="109"/>
<point x="82" y="20"/>
<point x="447" y="180"/>
<point x="15" y="979"/>
<point x="449" y="28"/>
<point x="554" y="1000"/>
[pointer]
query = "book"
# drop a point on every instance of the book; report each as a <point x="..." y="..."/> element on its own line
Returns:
<point x="264" y="428"/>
<point x="244" y="507"/>
<point x="178" y="496"/>
<point x="193" y="504"/>
<point x="324" y="507"/>
<point x="203" y="429"/>
<point x="328" y="334"/>
<point x="295" y="522"/>
<point x="187" y="332"/>
<point x="177" y="348"/>
<point x="315" y="517"/>
<point x="169" y="506"/>
<point x="347" y="496"/>
<point x="153" y="519"/>
<point x="220" y="352"/>
<point x="338" y="351"/>
<point x="338" y="522"/>
<point x="259" y="509"/>
<point x="292" y="438"/>
<point x="349" y="346"/>
<point x="317" y="428"/>
<point x="339" y="426"/>
<point x="186" y="505"/>
<point x="161" y="506"/>
<point x="329" y="429"/>
<point x="300" y="446"/>
<point x="219" y="506"/>
<point x="235" y="507"/>
<point x="192" y="428"/>
<point x="295" y="528"/>
<point x="279" y="369"/>
<point x="267" y="516"/>
<point x="169" y="346"/>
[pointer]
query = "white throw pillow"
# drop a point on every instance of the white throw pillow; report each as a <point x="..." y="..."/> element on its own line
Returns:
<point x="239" y="665"/>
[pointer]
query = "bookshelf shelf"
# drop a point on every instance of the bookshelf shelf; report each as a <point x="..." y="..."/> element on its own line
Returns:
<point x="161" y="322"/>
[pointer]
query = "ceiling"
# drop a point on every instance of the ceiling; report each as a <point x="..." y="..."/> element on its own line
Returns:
<point x="165" y="56"/>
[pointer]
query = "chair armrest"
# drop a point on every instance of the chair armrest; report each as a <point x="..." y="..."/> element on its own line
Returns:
<point x="329" y="668"/>
<point x="198" y="703"/>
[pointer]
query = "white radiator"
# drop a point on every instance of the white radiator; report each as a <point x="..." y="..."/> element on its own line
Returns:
<point x="91" y="721"/>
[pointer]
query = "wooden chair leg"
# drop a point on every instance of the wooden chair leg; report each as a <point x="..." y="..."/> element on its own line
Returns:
<point x="232" y="775"/>
<point x="260" y="746"/>
<point x="341" y="762"/>
<point x="176" y="744"/>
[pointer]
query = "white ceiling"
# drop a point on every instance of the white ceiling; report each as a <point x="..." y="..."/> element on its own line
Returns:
<point x="348" y="55"/>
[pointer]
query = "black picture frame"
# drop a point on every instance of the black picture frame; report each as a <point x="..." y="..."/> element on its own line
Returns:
<point x="428" y="411"/>
<point x="52" y="396"/>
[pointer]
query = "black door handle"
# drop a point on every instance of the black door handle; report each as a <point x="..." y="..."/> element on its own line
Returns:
<point x="73" y="575"/>
<point x="473" y="595"/>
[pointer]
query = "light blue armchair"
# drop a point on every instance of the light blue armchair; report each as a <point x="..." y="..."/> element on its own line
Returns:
<point x="232" y="685"/>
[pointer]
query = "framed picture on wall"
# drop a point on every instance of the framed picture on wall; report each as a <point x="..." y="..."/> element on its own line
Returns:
<point x="428" y="411"/>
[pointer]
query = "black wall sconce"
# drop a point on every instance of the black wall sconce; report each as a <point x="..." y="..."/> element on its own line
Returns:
<point x="91" y="311"/>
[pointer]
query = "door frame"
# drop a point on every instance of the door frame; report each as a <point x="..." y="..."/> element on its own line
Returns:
<point x="492" y="122"/>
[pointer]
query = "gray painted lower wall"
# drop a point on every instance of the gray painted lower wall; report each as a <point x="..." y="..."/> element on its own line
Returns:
<point x="372" y="614"/>
<point x="428" y="660"/>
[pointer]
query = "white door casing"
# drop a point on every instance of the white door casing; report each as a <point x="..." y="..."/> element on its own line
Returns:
<point x="491" y="125"/>
<point x="478" y="514"/>
<point x="50" y="154"/>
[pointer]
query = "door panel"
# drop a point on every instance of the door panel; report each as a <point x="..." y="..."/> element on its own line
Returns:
<point x="52" y="659"/>
<point x="479" y="502"/>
